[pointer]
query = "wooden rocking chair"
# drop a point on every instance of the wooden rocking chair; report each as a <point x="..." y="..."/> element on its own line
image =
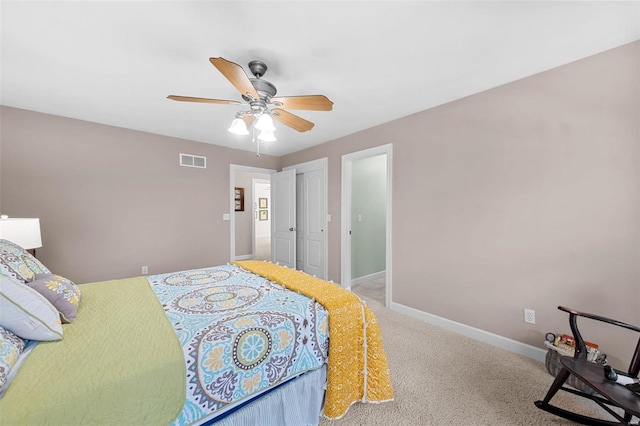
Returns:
<point x="610" y="394"/>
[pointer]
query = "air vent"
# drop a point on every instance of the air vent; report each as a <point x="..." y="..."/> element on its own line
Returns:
<point x="189" y="160"/>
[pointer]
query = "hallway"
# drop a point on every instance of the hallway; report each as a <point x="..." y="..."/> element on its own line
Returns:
<point x="374" y="289"/>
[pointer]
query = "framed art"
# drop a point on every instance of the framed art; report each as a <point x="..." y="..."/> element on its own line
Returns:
<point x="239" y="199"/>
<point x="263" y="203"/>
<point x="263" y="215"/>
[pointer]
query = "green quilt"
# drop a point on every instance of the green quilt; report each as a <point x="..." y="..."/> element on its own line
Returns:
<point x="119" y="363"/>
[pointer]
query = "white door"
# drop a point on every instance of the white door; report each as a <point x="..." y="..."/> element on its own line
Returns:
<point x="283" y="213"/>
<point x="314" y="220"/>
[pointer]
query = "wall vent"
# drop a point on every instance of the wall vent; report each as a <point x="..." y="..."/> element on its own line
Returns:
<point x="189" y="160"/>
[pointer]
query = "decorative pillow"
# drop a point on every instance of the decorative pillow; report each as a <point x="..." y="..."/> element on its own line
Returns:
<point x="11" y="346"/>
<point x="18" y="263"/>
<point x="61" y="292"/>
<point x="27" y="313"/>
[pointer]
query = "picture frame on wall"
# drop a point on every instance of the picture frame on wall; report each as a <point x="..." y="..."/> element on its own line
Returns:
<point x="263" y="215"/>
<point x="239" y="199"/>
<point x="263" y="203"/>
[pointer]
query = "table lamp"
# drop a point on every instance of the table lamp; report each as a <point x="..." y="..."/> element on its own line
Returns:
<point x="23" y="231"/>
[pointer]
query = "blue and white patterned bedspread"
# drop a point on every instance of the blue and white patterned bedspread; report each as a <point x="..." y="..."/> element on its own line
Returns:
<point x="240" y="334"/>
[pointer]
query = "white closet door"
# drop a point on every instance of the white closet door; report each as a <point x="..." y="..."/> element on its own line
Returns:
<point x="283" y="223"/>
<point x="314" y="221"/>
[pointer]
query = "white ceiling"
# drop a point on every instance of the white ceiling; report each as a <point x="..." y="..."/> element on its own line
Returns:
<point x="115" y="62"/>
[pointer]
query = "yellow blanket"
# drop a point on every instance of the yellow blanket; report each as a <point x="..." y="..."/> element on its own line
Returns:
<point x="357" y="370"/>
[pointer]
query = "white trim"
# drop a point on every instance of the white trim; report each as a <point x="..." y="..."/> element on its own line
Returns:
<point x="233" y="168"/>
<point x="345" y="202"/>
<point x="310" y="166"/>
<point x="369" y="277"/>
<point x="345" y="236"/>
<point x="475" y="333"/>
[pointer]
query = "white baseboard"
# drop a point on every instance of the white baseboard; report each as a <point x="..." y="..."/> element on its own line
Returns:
<point x="366" y="278"/>
<point x="475" y="333"/>
<point x="245" y="257"/>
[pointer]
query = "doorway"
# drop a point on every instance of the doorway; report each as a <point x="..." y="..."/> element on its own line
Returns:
<point x="261" y="189"/>
<point x="366" y="222"/>
<point x="311" y="177"/>
<point x="243" y="229"/>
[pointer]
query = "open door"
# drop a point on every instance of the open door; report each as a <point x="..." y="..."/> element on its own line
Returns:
<point x="283" y="214"/>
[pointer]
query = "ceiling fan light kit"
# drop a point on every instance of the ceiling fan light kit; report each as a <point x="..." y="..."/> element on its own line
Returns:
<point x="238" y="127"/>
<point x="258" y="94"/>
<point x="267" y="136"/>
<point x="265" y="123"/>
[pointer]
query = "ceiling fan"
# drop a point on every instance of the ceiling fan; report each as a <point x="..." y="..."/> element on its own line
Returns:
<point x="259" y="94"/>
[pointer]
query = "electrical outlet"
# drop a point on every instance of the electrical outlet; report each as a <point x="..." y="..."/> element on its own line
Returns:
<point x="145" y="270"/>
<point x="530" y="316"/>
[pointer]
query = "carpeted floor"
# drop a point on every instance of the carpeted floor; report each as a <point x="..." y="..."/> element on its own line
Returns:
<point x="442" y="378"/>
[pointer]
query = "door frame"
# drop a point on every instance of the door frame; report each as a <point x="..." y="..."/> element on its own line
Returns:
<point x="345" y="246"/>
<point x="233" y="168"/>
<point x="322" y="165"/>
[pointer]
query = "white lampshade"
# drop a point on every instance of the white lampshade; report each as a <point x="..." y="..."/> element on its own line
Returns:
<point x="238" y="127"/>
<point x="265" y="123"/>
<point x="267" y="136"/>
<point x="22" y="231"/>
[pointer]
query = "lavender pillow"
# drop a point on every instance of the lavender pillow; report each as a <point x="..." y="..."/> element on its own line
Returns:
<point x="61" y="292"/>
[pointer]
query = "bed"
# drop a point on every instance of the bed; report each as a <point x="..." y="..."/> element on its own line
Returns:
<point x="216" y="345"/>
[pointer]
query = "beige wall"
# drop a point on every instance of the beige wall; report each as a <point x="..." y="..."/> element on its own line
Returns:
<point x="524" y="196"/>
<point x="111" y="200"/>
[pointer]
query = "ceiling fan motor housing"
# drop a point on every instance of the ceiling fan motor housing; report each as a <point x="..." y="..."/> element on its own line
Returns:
<point x="265" y="89"/>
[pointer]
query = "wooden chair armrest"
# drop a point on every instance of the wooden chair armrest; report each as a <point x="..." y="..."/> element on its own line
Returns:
<point x="600" y="318"/>
<point x="581" y="348"/>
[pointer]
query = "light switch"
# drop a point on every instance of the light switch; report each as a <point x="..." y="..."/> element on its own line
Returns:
<point x="225" y="216"/>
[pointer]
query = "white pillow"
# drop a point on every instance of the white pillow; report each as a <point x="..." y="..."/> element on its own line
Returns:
<point x="27" y="313"/>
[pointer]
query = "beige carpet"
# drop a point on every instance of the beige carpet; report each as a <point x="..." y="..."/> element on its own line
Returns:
<point x="442" y="378"/>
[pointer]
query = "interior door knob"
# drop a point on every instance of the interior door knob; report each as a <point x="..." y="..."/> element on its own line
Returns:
<point x="290" y="229"/>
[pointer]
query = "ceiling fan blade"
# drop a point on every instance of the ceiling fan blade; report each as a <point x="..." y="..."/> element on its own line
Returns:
<point x="204" y="100"/>
<point x="311" y="102"/>
<point x="236" y="75"/>
<point x="291" y="120"/>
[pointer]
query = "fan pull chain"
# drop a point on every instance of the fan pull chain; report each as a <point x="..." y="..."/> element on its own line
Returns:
<point x="256" y="141"/>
